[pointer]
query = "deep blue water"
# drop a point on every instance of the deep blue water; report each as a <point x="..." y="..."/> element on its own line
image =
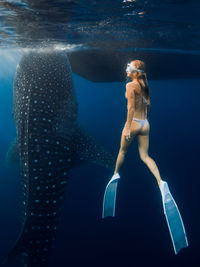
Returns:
<point x="138" y="235"/>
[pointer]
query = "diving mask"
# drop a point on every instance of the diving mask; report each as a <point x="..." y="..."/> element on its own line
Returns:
<point x="131" y="68"/>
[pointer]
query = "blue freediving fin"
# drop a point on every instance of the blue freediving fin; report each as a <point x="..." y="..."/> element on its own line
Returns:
<point x="174" y="220"/>
<point x="110" y="197"/>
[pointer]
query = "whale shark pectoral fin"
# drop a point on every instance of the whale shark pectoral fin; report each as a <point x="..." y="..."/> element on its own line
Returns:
<point x="12" y="155"/>
<point x="86" y="148"/>
<point x="14" y="253"/>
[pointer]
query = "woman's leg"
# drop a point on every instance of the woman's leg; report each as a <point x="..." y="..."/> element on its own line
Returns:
<point x="143" y="145"/>
<point x="122" y="151"/>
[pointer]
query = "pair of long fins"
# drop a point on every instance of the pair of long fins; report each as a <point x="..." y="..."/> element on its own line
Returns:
<point x="172" y="214"/>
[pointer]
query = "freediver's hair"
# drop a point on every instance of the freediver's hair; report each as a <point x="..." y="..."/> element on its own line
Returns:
<point x="141" y="76"/>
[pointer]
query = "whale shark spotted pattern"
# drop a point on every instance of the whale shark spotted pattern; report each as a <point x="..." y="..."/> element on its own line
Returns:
<point x="50" y="142"/>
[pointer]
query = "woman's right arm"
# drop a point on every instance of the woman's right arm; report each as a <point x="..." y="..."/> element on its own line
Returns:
<point x="130" y="109"/>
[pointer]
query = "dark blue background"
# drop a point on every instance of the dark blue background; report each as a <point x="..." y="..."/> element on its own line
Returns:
<point x="138" y="235"/>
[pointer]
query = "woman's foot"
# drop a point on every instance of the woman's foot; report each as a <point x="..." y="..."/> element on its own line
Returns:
<point x="159" y="180"/>
<point x="115" y="176"/>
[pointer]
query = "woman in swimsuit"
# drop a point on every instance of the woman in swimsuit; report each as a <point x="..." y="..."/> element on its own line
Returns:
<point x="138" y="97"/>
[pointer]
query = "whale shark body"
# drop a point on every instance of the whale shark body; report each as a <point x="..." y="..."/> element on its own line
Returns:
<point x="50" y="143"/>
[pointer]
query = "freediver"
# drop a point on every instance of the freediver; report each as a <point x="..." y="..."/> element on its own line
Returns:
<point x="138" y="106"/>
<point x="137" y="124"/>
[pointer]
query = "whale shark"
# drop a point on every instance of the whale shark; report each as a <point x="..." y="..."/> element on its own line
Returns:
<point x="49" y="143"/>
